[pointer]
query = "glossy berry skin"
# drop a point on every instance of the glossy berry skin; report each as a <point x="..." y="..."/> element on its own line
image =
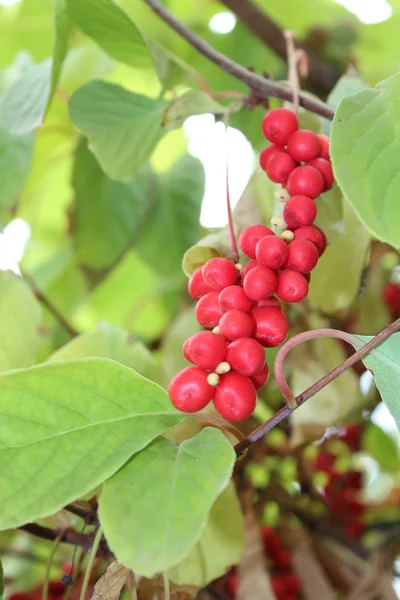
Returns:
<point x="270" y="326"/>
<point x="303" y="145"/>
<point x="234" y="297"/>
<point x="207" y="350"/>
<point x="267" y="153"/>
<point x="235" y="324"/>
<point x="235" y="397"/>
<point x="299" y="211"/>
<point x="324" y="143"/>
<point x="197" y="287"/>
<point x="270" y="302"/>
<point x="303" y="255"/>
<point x="218" y="273"/>
<point x="260" y="378"/>
<point x="305" y="181"/>
<point x="272" y="252"/>
<point x="315" y="235"/>
<point x="325" y="168"/>
<point x="260" y="283"/>
<point x="391" y="297"/>
<point x="279" y="167"/>
<point x="189" y="390"/>
<point x="249" y="238"/>
<point x="250" y="265"/>
<point x="186" y="349"/>
<point x="246" y="356"/>
<point x="207" y="311"/>
<point x="279" y="124"/>
<point x="292" y="286"/>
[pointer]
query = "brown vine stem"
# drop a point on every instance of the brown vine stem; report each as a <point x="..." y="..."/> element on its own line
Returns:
<point x="284" y="412"/>
<point x="262" y="86"/>
<point x="69" y="536"/>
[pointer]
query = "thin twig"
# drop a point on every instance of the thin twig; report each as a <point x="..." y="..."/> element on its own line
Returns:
<point x="262" y="86"/>
<point x="78" y="510"/>
<point x="234" y="248"/>
<point x="69" y="537"/>
<point x="284" y="412"/>
<point x="47" y="303"/>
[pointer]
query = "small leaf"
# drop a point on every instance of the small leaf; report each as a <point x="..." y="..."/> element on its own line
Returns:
<point x="193" y="102"/>
<point x="330" y="214"/>
<point x="16" y="153"/>
<point x="384" y="362"/>
<point x="107" y="213"/>
<point x="155" y="508"/>
<point x="383" y="448"/>
<point x="109" y="586"/>
<point x="63" y="27"/>
<point x="220" y="546"/>
<point x="20" y="317"/>
<point x="171" y="70"/>
<point x="365" y="151"/>
<point x="112" y="29"/>
<point x="123" y="128"/>
<point x="23" y="103"/>
<point x="65" y="427"/>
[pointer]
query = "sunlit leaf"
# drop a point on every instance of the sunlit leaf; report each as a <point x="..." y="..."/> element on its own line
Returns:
<point x="63" y="27"/>
<point x="16" y="153"/>
<point x="383" y="448"/>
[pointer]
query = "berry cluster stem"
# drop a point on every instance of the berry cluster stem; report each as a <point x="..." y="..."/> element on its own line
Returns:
<point x="298" y="65"/>
<point x="232" y="236"/>
<point x="286" y="411"/>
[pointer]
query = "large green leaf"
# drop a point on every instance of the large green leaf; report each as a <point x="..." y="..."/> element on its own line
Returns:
<point x="19" y="321"/>
<point x="384" y="362"/>
<point x="193" y="102"/>
<point x="112" y="29"/>
<point x="383" y="448"/>
<point x="63" y="27"/>
<point x="65" y="427"/>
<point x="123" y="128"/>
<point x="220" y="546"/>
<point x="348" y="84"/>
<point x="173" y="225"/>
<point x="15" y="161"/>
<point x="365" y="151"/>
<point x="107" y="213"/>
<point x="155" y="508"/>
<point x="23" y="103"/>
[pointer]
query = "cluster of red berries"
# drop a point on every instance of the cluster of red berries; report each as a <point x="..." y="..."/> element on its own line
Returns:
<point x="284" y="582"/>
<point x="238" y="303"/>
<point x="391" y="297"/>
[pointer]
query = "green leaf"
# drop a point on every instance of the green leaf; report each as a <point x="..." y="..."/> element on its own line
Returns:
<point x="193" y="102"/>
<point x="174" y="219"/>
<point x="330" y="214"/>
<point x="63" y="27"/>
<point x="349" y="83"/>
<point x="114" y="343"/>
<point x="383" y="448"/>
<point x="16" y="153"/>
<point x="20" y="316"/>
<point x="23" y="103"/>
<point x="123" y="128"/>
<point x="1" y="582"/>
<point x="112" y="29"/>
<point x="107" y="213"/>
<point x="171" y="70"/>
<point x="155" y="508"/>
<point x="365" y="151"/>
<point x="65" y="427"/>
<point x="336" y="280"/>
<point x="220" y="546"/>
<point x="384" y="362"/>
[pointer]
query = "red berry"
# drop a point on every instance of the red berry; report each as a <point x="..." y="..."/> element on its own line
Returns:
<point x="283" y="560"/>
<point x="325" y="461"/>
<point x="270" y="325"/>
<point x="250" y="265"/>
<point x="279" y="167"/>
<point x="299" y="211"/>
<point x="355" y="529"/>
<point x="314" y="234"/>
<point x="218" y="273"/>
<point x="197" y="287"/>
<point x="303" y="145"/>
<point x="278" y="588"/>
<point x="324" y="143"/>
<point x="260" y="283"/>
<point x="207" y="350"/>
<point x="292" y="286"/>
<point x="233" y="584"/>
<point x="291" y="582"/>
<point x="325" y="168"/>
<point x="272" y="251"/>
<point x="235" y="397"/>
<point x="234" y="297"/>
<point x="189" y="390"/>
<point x="250" y="236"/>
<point x="246" y="356"/>
<point x="391" y="297"/>
<point x="306" y="181"/>
<point x="303" y="255"/>
<point x="266" y="154"/>
<point x="186" y="350"/>
<point x="279" y="124"/>
<point x="352" y="436"/>
<point x="235" y="324"/>
<point x="208" y="312"/>
<point x="270" y="302"/>
<point x="260" y="378"/>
